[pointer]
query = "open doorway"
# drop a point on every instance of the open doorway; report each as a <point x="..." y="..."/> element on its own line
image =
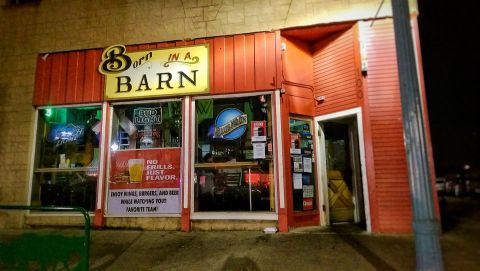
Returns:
<point x="342" y="169"/>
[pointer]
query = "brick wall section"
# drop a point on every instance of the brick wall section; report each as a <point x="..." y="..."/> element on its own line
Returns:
<point x="53" y="25"/>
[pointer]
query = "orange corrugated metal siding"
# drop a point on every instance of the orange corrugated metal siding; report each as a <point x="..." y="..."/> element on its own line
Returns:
<point x="391" y="195"/>
<point x="41" y="79"/>
<point x="238" y="63"/>
<point x="297" y="69"/>
<point x="75" y="78"/>
<point x="68" y="77"/>
<point x="334" y="73"/>
<point x="244" y="61"/>
<point x="93" y="90"/>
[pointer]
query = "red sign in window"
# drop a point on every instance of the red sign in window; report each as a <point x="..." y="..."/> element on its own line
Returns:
<point x="307" y="204"/>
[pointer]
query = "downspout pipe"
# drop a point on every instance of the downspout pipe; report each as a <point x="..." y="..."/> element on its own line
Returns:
<point x="425" y="225"/>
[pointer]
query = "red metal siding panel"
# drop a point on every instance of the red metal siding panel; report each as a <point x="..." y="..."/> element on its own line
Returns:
<point x="301" y="105"/>
<point x="165" y="44"/>
<point x="75" y="77"/>
<point x="218" y="65"/>
<point x="270" y="56"/>
<point x="392" y="196"/>
<point x="132" y="48"/>
<point x="42" y="80"/>
<point x="244" y="46"/>
<point x="210" y="66"/>
<point x="58" y="79"/>
<point x="237" y="64"/>
<point x="184" y="43"/>
<point x="229" y="65"/>
<point x="93" y="90"/>
<point x="297" y="76"/>
<point x="260" y="60"/>
<point x="143" y="47"/>
<point x="265" y="57"/>
<point x="223" y="66"/>
<point x="335" y="73"/>
<point x="68" y="77"/>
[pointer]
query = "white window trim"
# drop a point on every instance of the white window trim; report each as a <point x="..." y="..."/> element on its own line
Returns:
<point x="230" y="215"/>
<point x="279" y="152"/>
<point x="109" y="155"/>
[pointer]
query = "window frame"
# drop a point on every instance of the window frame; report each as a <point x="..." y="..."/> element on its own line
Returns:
<point x="108" y="157"/>
<point x="33" y="155"/>
<point x="234" y="215"/>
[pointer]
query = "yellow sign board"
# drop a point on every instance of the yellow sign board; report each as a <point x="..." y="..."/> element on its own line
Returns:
<point x="155" y="73"/>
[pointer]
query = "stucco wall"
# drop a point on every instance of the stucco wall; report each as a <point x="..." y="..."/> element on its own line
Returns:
<point x="60" y="25"/>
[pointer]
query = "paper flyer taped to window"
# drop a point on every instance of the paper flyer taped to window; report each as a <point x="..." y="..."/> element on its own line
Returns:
<point x="308" y="191"/>
<point x="258" y="150"/>
<point x="307" y="164"/>
<point x="297" y="180"/>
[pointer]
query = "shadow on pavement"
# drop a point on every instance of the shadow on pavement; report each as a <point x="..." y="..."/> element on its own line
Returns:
<point x="347" y="234"/>
<point x="240" y="264"/>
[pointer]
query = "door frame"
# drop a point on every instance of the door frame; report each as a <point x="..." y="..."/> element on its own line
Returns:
<point x="322" y="166"/>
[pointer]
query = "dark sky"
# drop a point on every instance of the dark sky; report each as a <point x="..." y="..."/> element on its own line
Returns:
<point x="449" y="32"/>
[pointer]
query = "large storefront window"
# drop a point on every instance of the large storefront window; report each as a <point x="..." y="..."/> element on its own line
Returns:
<point x="144" y="176"/>
<point x="66" y="161"/>
<point x="233" y="161"/>
<point x="147" y="126"/>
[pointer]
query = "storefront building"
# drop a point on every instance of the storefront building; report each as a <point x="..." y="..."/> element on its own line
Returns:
<point x="287" y="128"/>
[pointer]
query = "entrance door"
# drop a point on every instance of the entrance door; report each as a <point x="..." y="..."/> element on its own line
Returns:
<point x="339" y="140"/>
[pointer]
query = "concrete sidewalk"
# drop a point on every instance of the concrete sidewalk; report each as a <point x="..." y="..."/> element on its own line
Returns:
<point x="336" y="248"/>
<point x="316" y="250"/>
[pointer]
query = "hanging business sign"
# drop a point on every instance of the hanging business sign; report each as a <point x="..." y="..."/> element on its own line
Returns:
<point x="155" y="73"/>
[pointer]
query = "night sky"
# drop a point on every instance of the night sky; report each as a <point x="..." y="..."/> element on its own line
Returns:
<point x="451" y="60"/>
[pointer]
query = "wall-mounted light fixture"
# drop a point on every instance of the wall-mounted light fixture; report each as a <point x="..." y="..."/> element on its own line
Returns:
<point x="320" y="98"/>
<point x="363" y="51"/>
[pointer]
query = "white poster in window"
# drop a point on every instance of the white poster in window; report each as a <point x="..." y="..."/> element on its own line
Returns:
<point x="307" y="164"/>
<point x="258" y="150"/>
<point x="297" y="180"/>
